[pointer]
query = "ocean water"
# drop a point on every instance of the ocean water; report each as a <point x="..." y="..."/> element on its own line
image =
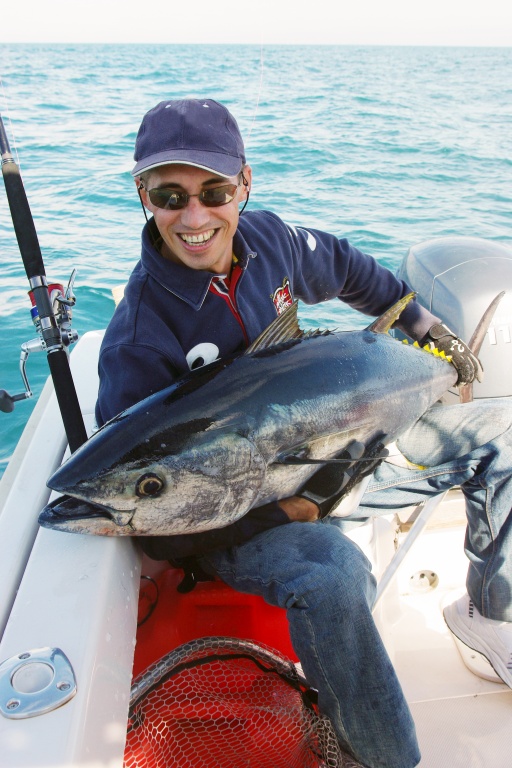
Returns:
<point x="385" y="146"/>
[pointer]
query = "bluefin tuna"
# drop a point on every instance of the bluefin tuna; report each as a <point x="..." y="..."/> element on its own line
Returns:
<point x="246" y="430"/>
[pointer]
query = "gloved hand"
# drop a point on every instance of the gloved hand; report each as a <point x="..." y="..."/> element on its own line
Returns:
<point x="330" y="483"/>
<point x="466" y="363"/>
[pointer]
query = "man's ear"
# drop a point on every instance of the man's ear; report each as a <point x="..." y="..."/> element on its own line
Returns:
<point x="247" y="178"/>
<point x="142" y="191"/>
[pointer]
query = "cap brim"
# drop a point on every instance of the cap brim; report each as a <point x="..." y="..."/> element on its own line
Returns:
<point x="217" y="162"/>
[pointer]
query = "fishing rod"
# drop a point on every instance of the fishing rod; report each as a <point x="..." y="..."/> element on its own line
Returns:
<point x="54" y="327"/>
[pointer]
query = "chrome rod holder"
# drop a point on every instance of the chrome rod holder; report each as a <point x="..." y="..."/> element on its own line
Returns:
<point x="35" y="682"/>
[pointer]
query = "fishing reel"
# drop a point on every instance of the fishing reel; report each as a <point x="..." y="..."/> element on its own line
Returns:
<point x="62" y="303"/>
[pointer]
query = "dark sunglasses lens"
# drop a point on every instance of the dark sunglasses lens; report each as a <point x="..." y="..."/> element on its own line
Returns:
<point x="173" y="200"/>
<point x="168" y="199"/>
<point x="217" y="196"/>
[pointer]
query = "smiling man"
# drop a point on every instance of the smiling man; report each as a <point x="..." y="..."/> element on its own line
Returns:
<point x="192" y="213"/>
<point x="209" y="281"/>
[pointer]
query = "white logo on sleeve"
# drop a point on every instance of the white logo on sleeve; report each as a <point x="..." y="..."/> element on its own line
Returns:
<point x="202" y="354"/>
<point x="310" y="238"/>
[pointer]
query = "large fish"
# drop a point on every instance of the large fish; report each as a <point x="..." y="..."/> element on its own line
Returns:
<point x="243" y="431"/>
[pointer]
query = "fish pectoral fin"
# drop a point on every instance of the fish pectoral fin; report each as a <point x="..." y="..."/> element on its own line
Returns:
<point x="354" y="453"/>
<point x="328" y="446"/>
<point x="299" y="461"/>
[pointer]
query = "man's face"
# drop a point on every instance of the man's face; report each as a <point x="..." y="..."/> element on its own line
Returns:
<point x="197" y="236"/>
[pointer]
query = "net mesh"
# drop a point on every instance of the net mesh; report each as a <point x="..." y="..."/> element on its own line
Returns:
<point x="220" y="702"/>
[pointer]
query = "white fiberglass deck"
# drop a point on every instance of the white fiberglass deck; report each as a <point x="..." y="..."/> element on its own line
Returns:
<point x="462" y="719"/>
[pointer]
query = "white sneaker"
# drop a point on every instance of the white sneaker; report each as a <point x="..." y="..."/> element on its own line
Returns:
<point x="493" y="639"/>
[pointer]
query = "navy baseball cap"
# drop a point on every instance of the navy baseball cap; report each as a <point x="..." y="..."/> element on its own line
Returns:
<point x="198" y="132"/>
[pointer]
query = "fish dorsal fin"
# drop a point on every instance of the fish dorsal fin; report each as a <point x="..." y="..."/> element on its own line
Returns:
<point x="383" y="323"/>
<point x="283" y="328"/>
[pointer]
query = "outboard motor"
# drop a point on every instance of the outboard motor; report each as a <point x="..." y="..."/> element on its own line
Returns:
<point x="456" y="278"/>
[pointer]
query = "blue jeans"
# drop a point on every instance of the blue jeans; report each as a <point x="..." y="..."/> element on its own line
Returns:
<point x="324" y="581"/>
<point x="468" y="445"/>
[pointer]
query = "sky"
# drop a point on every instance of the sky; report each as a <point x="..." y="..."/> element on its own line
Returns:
<point x="338" y="22"/>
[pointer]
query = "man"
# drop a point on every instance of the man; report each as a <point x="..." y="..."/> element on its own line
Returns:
<point x="207" y="284"/>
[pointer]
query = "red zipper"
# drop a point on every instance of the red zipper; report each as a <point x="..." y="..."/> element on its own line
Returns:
<point x="225" y="287"/>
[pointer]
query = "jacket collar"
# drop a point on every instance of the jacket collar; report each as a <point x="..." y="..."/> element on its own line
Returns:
<point x="190" y="285"/>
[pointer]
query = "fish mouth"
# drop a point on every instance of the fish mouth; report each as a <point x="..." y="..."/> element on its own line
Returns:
<point x="73" y="515"/>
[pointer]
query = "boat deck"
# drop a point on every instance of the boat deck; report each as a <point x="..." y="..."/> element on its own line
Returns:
<point x="462" y="718"/>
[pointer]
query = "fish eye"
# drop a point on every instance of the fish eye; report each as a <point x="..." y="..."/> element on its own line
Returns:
<point x="149" y="485"/>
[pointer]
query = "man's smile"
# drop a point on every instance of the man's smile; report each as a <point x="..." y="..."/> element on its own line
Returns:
<point x="197" y="239"/>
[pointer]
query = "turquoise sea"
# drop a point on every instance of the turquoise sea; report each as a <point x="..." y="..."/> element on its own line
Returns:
<point x="386" y="146"/>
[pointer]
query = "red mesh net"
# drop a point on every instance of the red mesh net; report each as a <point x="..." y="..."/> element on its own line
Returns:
<point x="227" y="703"/>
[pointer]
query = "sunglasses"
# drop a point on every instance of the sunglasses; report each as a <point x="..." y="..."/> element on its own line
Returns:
<point x="174" y="200"/>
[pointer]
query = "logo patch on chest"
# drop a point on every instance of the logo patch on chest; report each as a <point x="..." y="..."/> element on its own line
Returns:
<point x="282" y="297"/>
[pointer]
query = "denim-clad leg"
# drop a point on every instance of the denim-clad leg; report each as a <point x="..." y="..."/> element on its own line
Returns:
<point x="324" y="582"/>
<point x="468" y="445"/>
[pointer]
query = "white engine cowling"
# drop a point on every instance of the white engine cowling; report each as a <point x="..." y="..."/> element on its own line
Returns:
<point x="456" y="278"/>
